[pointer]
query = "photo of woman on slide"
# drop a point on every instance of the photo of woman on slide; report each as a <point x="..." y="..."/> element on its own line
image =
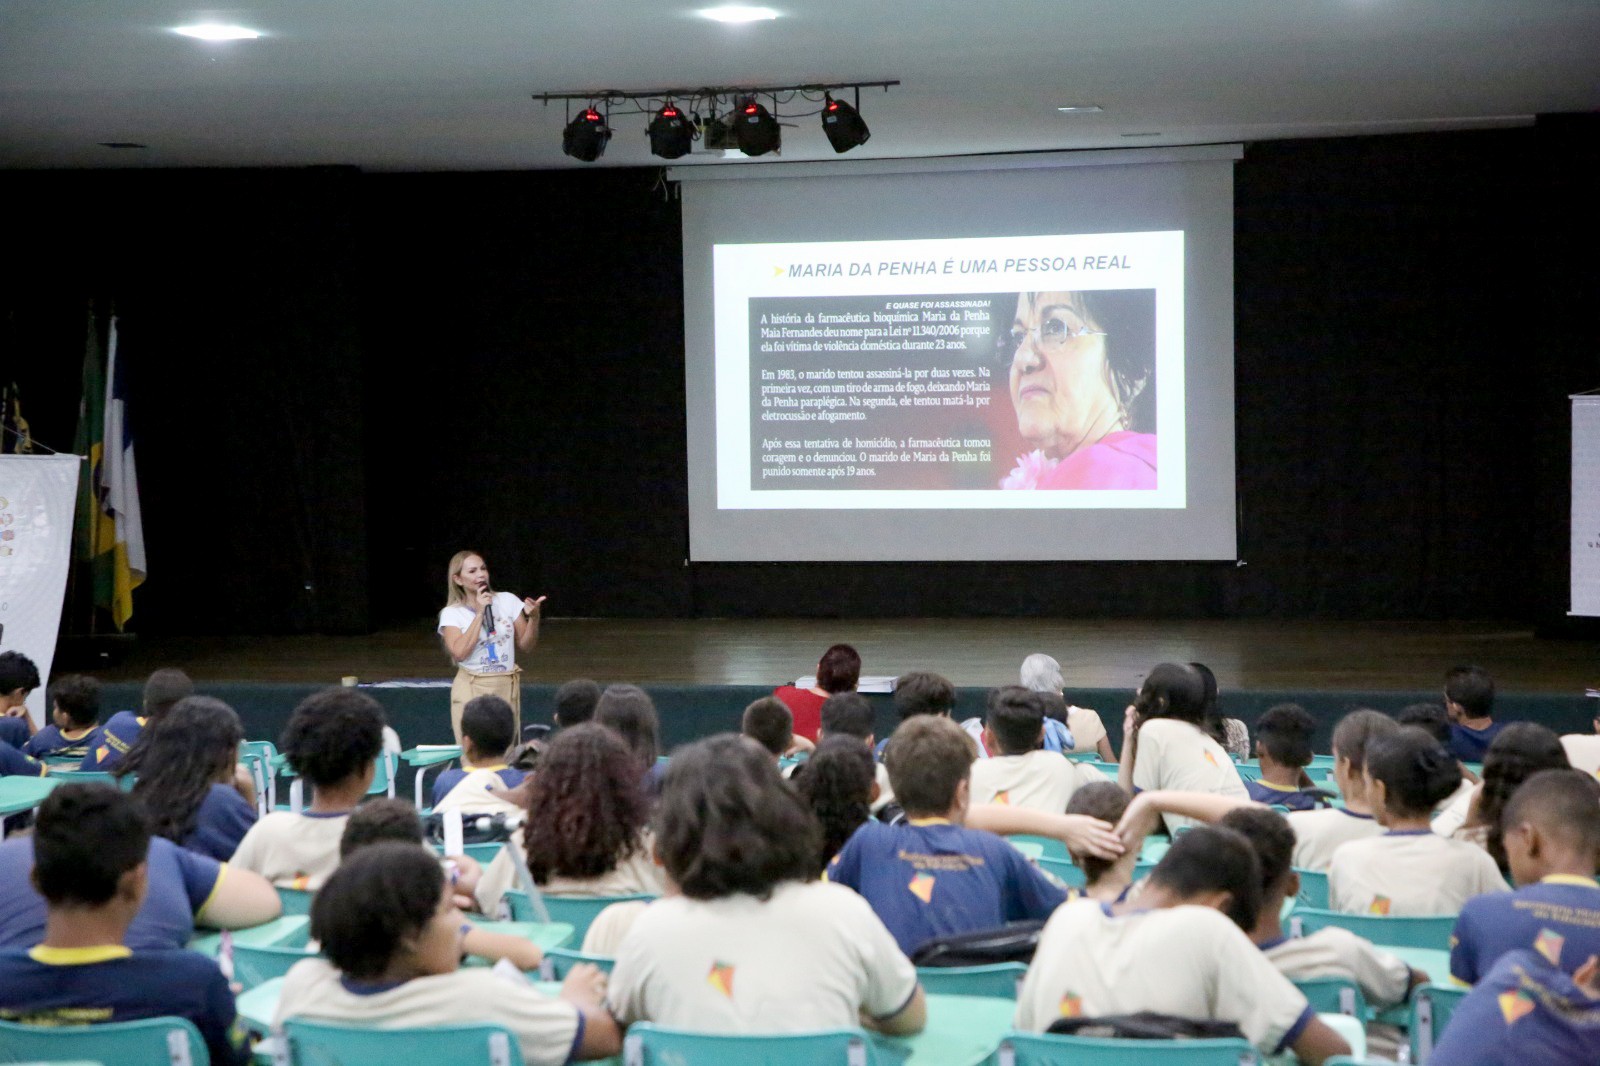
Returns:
<point x="1082" y="380"/>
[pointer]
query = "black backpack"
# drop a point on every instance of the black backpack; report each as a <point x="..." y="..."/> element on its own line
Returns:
<point x="1015" y="942"/>
<point x="1147" y="1025"/>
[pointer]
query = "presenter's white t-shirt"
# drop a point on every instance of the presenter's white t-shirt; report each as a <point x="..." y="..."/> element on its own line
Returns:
<point x="495" y="652"/>
<point x="1173" y="754"/>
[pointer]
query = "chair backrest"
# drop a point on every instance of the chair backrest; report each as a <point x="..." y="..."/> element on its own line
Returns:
<point x="648" y="1045"/>
<point x="484" y="854"/>
<point x="146" y="1042"/>
<point x="578" y="912"/>
<point x="558" y="962"/>
<point x="1431" y="1008"/>
<point x="1068" y="871"/>
<point x="1249" y="771"/>
<point x="1431" y="932"/>
<point x="1313" y="888"/>
<point x="295" y="900"/>
<point x="1030" y="850"/>
<point x="383" y="774"/>
<point x="1334" y="995"/>
<point x="998" y="979"/>
<point x="319" y="1044"/>
<point x="1048" y="1049"/>
<point x="94" y="777"/>
<point x="1049" y="847"/>
<point x="256" y="965"/>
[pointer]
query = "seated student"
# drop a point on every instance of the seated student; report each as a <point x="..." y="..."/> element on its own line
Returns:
<point x="1551" y="834"/>
<point x="74" y="720"/>
<point x="1528" y="1012"/>
<point x="585" y="832"/>
<point x="1521" y="750"/>
<point x="1019" y="771"/>
<point x="931" y="876"/>
<point x="1107" y="880"/>
<point x="839" y="670"/>
<point x="1180" y="950"/>
<point x="753" y="942"/>
<point x="90" y="843"/>
<point x="331" y="741"/>
<point x="1042" y="674"/>
<point x="629" y="712"/>
<point x="391" y="941"/>
<point x="162" y="690"/>
<point x="1583" y="749"/>
<point x="18" y="677"/>
<point x="1385" y="980"/>
<point x="1451" y="813"/>
<point x="1283" y="746"/>
<point x="186" y="889"/>
<point x="488" y="729"/>
<point x="839" y="786"/>
<point x="850" y="714"/>
<point x="394" y="819"/>
<point x="1469" y="700"/>
<point x="186" y="777"/>
<point x="920" y="692"/>
<point x="575" y="702"/>
<point x="13" y="763"/>
<point x="769" y="722"/>
<point x="1166" y="746"/>
<point x="1317" y="833"/>
<point x="1409" y="870"/>
<point x="1231" y="733"/>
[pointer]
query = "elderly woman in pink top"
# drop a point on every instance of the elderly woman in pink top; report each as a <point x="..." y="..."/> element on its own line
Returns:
<point x="1081" y="367"/>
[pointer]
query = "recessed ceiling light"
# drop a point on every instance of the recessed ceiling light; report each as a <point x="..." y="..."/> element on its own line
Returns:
<point x="737" y="13"/>
<point x="216" y="31"/>
<point x="1079" y="109"/>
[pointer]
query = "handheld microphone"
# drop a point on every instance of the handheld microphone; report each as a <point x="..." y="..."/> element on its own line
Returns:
<point x="488" y="616"/>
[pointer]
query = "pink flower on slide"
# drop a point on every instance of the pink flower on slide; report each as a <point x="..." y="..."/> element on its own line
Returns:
<point x="1028" y="472"/>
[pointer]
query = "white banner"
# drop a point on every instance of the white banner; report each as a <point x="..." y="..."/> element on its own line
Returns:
<point x="38" y="494"/>
<point x="1586" y="505"/>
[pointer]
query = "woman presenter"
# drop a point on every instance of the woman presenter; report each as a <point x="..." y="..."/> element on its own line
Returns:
<point x="483" y="630"/>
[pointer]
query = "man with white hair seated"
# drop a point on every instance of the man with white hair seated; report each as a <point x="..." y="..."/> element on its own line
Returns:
<point x="1041" y="673"/>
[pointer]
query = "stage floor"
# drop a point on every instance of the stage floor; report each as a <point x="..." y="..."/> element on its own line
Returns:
<point x="1263" y="654"/>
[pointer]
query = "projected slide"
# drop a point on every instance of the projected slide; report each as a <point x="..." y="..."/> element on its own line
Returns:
<point x="1031" y="372"/>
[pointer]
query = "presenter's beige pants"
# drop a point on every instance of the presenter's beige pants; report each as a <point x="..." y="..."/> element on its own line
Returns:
<point x="468" y="685"/>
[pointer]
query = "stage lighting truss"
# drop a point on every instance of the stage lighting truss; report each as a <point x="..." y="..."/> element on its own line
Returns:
<point x="749" y="119"/>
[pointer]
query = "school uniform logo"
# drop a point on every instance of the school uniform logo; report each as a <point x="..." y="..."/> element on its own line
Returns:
<point x="921" y="886"/>
<point x="1549" y="944"/>
<point x="1071" y="1006"/>
<point x="1003" y="797"/>
<point x="1380" y="906"/>
<point x="721" y="978"/>
<point x="1515" y="1005"/>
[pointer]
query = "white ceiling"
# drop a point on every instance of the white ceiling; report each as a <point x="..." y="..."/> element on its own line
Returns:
<point x="415" y="85"/>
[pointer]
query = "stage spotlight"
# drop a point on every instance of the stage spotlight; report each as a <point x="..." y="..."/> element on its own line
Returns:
<point x="585" y="136"/>
<point x="843" y="125"/>
<point x="755" y="129"/>
<point x="670" y="133"/>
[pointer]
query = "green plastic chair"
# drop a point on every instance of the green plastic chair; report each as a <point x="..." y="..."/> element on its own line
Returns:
<point x="648" y="1045"/>
<point x="558" y="962"/>
<point x="1069" y="872"/>
<point x="1431" y="1008"/>
<point x="146" y="1042"/>
<point x="1249" y="771"/>
<point x="255" y="965"/>
<point x="1313" y="889"/>
<point x="578" y="912"/>
<point x="1049" y="847"/>
<point x="93" y="777"/>
<point x="998" y="979"/>
<point x="1431" y="932"/>
<point x="319" y="1044"/>
<point x="295" y="900"/>
<point x="1049" y="1049"/>
<point x="1334" y="995"/>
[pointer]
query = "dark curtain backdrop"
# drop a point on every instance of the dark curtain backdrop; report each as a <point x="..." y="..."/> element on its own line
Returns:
<point x="341" y="378"/>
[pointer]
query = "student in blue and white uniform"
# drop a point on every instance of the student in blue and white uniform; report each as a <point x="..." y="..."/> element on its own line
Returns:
<point x="186" y="773"/>
<point x="162" y="691"/>
<point x="74" y="720"/>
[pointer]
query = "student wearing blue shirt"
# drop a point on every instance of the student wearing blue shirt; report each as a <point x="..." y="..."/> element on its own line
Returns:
<point x="488" y="729"/>
<point x="185" y="777"/>
<point x="930" y="876"/>
<point x="162" y="690"/>
<point x="18" y="677"/>
<point x="1528" y="1012"/>
<point x="1469" y="700"/>
<point x="1283" y="747"/>
<point x="74" y="720"/>
<point x="1551" y="832"/>
<point x="90" y="843"/>
<point x="15" y="764"/>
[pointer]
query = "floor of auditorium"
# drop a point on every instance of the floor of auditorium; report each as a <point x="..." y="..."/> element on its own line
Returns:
<point x="1258" y="654"/>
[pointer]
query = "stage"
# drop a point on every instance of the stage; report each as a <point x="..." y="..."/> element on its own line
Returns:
<point x="1259" y="654"/>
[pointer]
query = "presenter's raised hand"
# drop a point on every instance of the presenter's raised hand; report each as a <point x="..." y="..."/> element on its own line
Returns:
<point x="530" y="606"/>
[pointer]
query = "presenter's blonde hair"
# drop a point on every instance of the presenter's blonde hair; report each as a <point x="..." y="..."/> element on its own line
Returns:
<point x="454" y="594"/>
